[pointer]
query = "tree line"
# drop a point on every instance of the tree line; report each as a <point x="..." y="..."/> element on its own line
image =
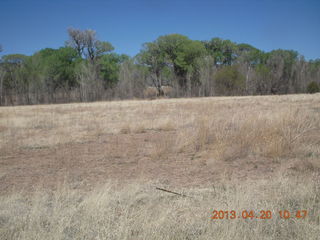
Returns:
<point x="87" y="69"/>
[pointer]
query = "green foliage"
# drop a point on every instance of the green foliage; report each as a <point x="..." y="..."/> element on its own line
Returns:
<point x="58" y="66"/>
<point x="263" y="70"/>
<point x="109" y="66"/>
<point x="223" y="51"/>
<point x="314" y="67"/>
<point x="181" y="52"/>
<point x="172" y="59"/>
<point x="244" y="47"/>
<point x="251" y="55"/>
<point x="289" y="56"/>
<point x="14" y="58"/>
<point x="282" y="64"/>
<point x="230" y="81"/>
<point x="174" y="50"/>
<point x="103" y="47"/>
<point x="286" y="58"/>
<point x="313" y="87"/>
<point x="153" y="57"/>
<point x="13" y="65"/>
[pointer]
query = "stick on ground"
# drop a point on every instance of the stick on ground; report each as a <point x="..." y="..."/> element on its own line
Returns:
<point x="165" y="190"/>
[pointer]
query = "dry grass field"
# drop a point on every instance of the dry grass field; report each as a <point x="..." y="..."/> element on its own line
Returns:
<point x="90" y="170"/>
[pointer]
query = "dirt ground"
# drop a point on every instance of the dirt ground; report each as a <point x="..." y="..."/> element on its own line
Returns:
<point x="120" y="157"/>
<point x="125" y="155"/>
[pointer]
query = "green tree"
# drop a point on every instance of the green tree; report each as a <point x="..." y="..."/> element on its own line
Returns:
<point x="154" y="58"/>
<point x="13" y="64"/>
<point x="109" y="66"/>
<point x="250" y="55"/>
<point x="223" y="51"/>
<point x="281" y="63"/>
<point x="179" y="52"/>
<point x="58" y="66"/>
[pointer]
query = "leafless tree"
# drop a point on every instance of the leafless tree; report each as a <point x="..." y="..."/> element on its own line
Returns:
<point x="90" y="84"/>
<point x="76" y="40"/>
<point x="1" y="79"/>
<point x="2" y="74"/>
<point x="132" y="81"/>
<point x="207" y="70"/>
<point x="87" y="44"/>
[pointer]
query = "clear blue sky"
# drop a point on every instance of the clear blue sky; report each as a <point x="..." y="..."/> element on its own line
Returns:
<point x="30" y="25"/>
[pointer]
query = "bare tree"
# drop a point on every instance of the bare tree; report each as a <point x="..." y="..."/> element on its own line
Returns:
<point x="132" y="81"/>
<point x="1" y="79"/>
<point x="207" y="70"/>
<point x="87" y="44"/>
<point x="2" y="74"/>
<point x="76" y="40"/>
<point x="90" y="84"/>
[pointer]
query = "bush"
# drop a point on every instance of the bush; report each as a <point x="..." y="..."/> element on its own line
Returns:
<point x="230" y="81"/>
<point x="313" y="87"/>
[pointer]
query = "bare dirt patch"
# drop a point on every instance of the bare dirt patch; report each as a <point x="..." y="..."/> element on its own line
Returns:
<point x="121" y="157"/>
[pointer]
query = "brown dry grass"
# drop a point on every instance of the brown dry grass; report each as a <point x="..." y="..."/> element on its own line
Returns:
<point x="228" y="153"/>
<point x="140" y="212"/>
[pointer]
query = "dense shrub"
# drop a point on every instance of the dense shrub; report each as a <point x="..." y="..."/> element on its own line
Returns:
<point x="313" y="87"/>
<point x="230" y="81"/>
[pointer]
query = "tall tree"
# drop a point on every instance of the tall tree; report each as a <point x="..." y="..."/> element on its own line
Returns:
<point x="249" y="58"/>
<point x="176" y="51"/>
<point x="281" y="63"/>
<point x="58" y="66"/>
<point x="14" y="78"/>
<point x="223" y="51"/>
<point x="155" y="59"/>
<point x="2" y="74"/>
<point x="86" y="43"/>
<point x="76" y="40"/>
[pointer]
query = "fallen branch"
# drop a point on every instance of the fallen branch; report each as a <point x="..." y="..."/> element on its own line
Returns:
<point x="165" y="190"/>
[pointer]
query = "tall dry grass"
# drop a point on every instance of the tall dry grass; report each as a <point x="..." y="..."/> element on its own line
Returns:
<point x="140" y="212"/>
<point x="280" y="134"/>
<point x="271" y="125"/>
<point x="217" y="129"/>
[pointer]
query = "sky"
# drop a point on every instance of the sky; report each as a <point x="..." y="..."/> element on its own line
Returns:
<point x="27" y="26"/>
